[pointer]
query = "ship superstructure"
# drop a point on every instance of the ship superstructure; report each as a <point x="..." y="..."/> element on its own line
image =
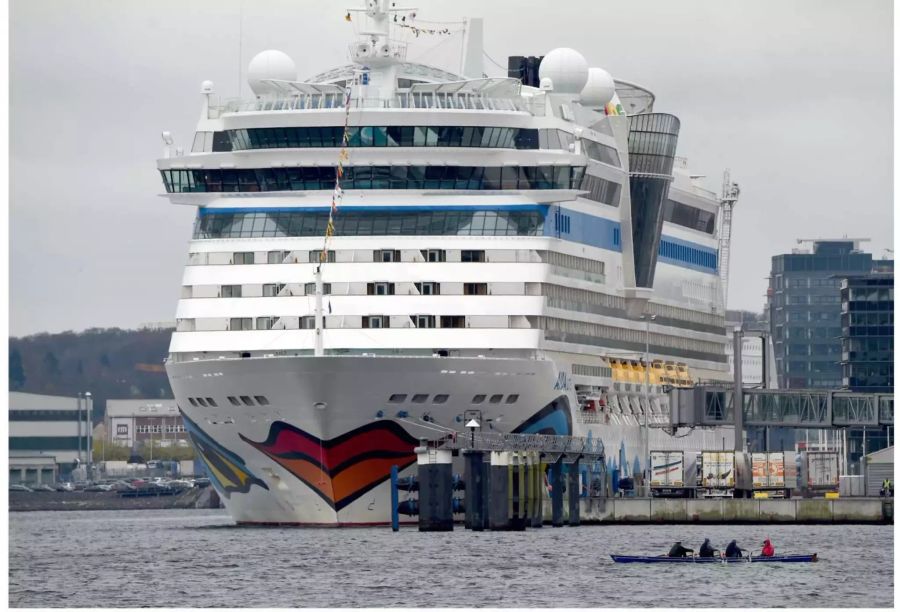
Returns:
<point x="383" y="247"/>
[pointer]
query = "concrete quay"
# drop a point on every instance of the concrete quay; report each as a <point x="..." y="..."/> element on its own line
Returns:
<point x="600" y="510"/>
<point x="79" y="500"/>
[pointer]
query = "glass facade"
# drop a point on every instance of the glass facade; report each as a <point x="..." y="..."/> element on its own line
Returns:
<point x="218" y="223"/>
<point x="805" y="312"/>
<point x="652" y="139"/>
<point x="402" y="136"/>
<point x="689" y="217"/>
<point x="374" y="177"/>
<point x="601" y="190"/>
<point x="867" y="333"/>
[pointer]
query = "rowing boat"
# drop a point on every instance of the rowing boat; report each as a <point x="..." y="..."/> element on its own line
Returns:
<point x="663" y="559"/>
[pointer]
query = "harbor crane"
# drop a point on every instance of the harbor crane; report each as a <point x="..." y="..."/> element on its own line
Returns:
<point x="730" y="193"/>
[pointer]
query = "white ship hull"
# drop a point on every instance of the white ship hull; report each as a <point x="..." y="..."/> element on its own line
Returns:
<point x="320" y="452"/>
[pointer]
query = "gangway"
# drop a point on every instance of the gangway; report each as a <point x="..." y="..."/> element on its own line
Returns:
<point x="713" y="405"/>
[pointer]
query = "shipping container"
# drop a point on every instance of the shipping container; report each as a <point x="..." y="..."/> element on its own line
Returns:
<point x="717" y="469"/>
<point x="768" y="471"/>
<point x="819" y="470"/>
<point x="667" y="469"/>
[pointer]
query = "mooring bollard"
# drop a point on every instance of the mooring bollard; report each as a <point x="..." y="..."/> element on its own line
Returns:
<point x="537" y="474"/>
<point x="499" y="497"/>
<point x="435" y="488"/>
<point x="395" y="500"/>
<point x="556" y="493"/>
<point x="474" y="479"/>
<point x="517" y="491"/>
<point x="574" y="495"/>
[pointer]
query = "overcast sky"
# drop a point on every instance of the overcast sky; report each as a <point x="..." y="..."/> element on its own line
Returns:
<point x="795" y="97"/>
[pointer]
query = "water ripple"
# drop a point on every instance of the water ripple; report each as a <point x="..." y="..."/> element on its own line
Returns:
<point x="193" y="558"/>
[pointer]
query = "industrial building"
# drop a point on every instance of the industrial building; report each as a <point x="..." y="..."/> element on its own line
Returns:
<point x="133" y="422"/>
<point x="48" y="437"/>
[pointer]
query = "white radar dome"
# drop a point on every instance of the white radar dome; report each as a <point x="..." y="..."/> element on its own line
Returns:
<point x="600" y="88"/>
<point x="270" y="64"/>
<point x="567" y="68"/>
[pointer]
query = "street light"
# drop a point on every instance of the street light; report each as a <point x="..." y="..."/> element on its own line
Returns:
<point x="473" y="422"/>
<point x="89" y="442"/>
<point x="647" y="319"/>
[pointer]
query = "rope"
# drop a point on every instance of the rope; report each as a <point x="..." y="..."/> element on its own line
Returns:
<point x="338" y="194"/>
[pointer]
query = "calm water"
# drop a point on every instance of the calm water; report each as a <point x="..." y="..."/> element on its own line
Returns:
<point x="194" y="558"/>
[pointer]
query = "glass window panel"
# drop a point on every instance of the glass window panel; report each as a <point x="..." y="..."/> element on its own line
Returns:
<point x="431" y="137"/>
<point x="467" y="137"/>
<point x="393" y="135"/>
<point x="419" y="139"/>
<point x="406" y="136"/>
<point x="492" y="177"/>
<point x="379" y="136"/>
<point x="366" y="136"/>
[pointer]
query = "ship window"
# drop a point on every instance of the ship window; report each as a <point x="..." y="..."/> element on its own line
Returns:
<point x="243" y="258"/>
<point x="234" y="401"/>
<point x="310" y="288"/>
<point x="424" y="321"/>
<point x="512" y="399"/>
<point x="419" y="398"/>
<point x="380" y="289"/>
<point x="272" y="289"/>
<point x="441" y="398"/>
<point x="387" y="256"/>
<point x="475" y="289"/>
<point x="453" y="321"/>
<point x="192" y="401"/>
<point x="265" y="322"/>
<point x="314" y="256"/>
<point x="472" y="256"/>
<point x="231" y="291"/>
<point x="261" y="400"/>
<point x="434" y="255"/>
<point x="478" y="398"/>
<point x="202" y="402"/>
<point x="246" y="399"/>
<point x="376" y="322"/>
<point x="397" y="398"/>
<point x="496" y="399"/>
<point x="277" y="257"/>
<point x="428" y="288"/>
<point x="212" y="402"/>
<point x="241" y="324"/>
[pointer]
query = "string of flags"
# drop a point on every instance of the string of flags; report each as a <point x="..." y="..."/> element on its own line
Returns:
<point x="338" y="193"/>
<point x="404" y="22"/>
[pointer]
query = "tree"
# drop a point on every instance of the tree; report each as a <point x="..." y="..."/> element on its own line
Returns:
<point x="16" y="370"/>
<point x="51" y="364"/>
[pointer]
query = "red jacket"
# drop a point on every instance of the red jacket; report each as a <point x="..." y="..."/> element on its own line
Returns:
<point x="768" y="550"/>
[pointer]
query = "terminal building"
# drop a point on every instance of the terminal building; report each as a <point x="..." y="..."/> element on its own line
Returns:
<point x="133" y="422"/>
<point x="48" y="437"/>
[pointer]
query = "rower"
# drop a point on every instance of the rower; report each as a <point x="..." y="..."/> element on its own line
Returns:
<point x="679" y="551"/>
<point x="706" y="549"/>
<point x="768" y="550"/>
<point x="733" y="550"/>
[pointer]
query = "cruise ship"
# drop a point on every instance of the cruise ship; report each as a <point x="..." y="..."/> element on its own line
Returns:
<point x="387" y="247"/>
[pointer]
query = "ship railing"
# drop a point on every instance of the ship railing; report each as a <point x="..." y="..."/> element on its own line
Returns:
<point x="507" y="442"/>
<point x="415" y="101"/>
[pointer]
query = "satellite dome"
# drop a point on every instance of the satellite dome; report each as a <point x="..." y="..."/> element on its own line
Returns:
<point x="270" y="64"/>
<point x="567" y="68"/>
<point x="600" y="88"/>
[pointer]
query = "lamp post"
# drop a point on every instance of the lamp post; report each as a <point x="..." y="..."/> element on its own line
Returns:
<point x="473" y="422"/>
<point x="647" y="319"/>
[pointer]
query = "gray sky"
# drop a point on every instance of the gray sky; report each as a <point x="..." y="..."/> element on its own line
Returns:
<point x="794" y="96"/>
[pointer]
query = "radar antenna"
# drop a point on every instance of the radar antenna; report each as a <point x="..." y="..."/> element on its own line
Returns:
<point x="730" y="193"/>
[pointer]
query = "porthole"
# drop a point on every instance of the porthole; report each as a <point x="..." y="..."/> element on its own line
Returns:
<point x="420" y="398"/>
<point x="495" y="399"/>
<point x="261" y="400"/>
<point x="212" y="402"/>
<point x="202" y="402"/>
<point x="192" y="401"/>
<point x="234" y="401"/>
<point x="441" y="398"/>
<point x="397" y="398"/>
<point x="478" y="398"/>
<point x="512" y="399"/>
<point x="246" y="399"/>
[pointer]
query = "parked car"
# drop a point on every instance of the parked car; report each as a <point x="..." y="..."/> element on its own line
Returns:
<point x="19" y="487"/>
<point x="97" y="488"/>
<point x="202" y="482"/>
<point x="44" y="487"/>
<point x="181" y="485"/>
<point x="121" y="485"/>
<point x="65" y="486"/>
